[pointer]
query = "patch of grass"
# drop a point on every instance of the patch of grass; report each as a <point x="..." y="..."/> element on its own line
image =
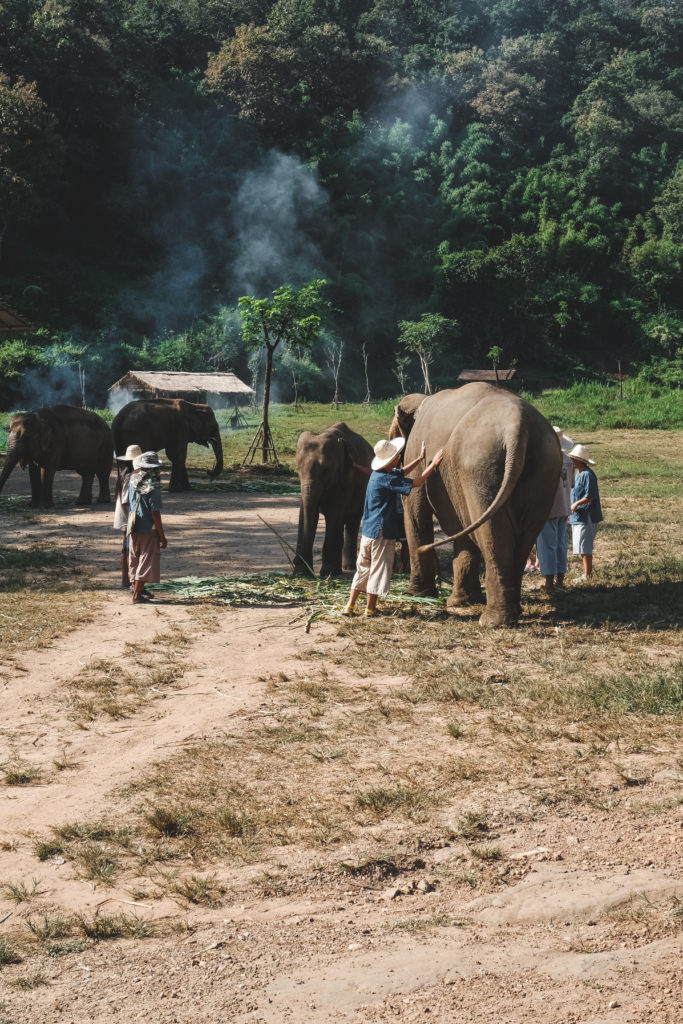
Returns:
<point x="8" y="952"/>
<point x="46" y="848"/>
<point x="65" y="948"/>
<point x="98" y="864"/>
<point x="50" y="926"/>
<point x="269" y="885"/>
<point x="487" y="853"/>
<point x="201" y="889"/>
<point x="381" y="801"/>
<point x="454" y="729"/>
<point x="473" y="825"/>
<point x="20" y="892"/>
<point x="170" y="821"/>
<point x="20" y="773"/>
<point x="30" y="981"/>
<point x="99" y="928"/>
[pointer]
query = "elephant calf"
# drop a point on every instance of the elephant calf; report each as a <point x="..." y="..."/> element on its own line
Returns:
<point x="330" y="485"/>
<point x="60" y="437"/>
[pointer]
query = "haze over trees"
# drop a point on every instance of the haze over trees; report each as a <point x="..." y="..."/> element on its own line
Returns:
<point x="512" y="165"/>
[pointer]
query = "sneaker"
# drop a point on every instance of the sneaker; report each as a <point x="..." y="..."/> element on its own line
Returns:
<point x="348" y="610"/>
<point x="370" y="613"/>
<point x="582" y="579"/>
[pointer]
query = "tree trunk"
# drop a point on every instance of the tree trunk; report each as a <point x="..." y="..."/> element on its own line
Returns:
<point x="424" y="363"/>
<point x="266" y="402"/>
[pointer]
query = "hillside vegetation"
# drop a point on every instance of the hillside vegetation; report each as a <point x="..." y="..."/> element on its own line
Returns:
<point x="512" y="165"/>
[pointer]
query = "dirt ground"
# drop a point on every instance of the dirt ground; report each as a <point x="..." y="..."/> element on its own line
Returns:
<point x="560" y="931"/>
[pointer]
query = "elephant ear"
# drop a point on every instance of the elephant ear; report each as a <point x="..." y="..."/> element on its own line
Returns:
<point x="46" y="435"/>
<point x="346" y="456"/>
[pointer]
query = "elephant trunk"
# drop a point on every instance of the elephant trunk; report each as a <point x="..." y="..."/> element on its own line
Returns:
<point x="215" y="442"/>
<point x="10" y="463"/>
<point x="309" y="514"/>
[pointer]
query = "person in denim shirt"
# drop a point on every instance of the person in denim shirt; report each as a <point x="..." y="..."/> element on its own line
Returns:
<point x="585" y="509"/>
<point x="380" y="525"/>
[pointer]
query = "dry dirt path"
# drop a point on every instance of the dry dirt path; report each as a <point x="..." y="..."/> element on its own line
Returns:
<point x="339" y="950"/>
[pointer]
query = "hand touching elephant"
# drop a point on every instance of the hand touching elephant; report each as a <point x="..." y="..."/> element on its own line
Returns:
<point x="491" y="494"/>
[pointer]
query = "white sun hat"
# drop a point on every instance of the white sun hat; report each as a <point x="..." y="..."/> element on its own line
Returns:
<point x="580" y="452"/>
<point x="132" y="452"/>
<point x="386" y="452"/>
<point x="565" y="440"/>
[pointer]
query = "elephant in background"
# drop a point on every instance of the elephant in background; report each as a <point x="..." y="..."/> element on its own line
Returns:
<point x="491" y="494"/>
<point x="60" y="437"/>
<point x="330" y="485"/>
<point x="170" y="424"/>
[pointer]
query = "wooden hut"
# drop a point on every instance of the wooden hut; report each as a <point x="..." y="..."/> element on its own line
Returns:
<point x="13" y="323"/>
<point x="219" y="390"/>
<point x="487" y="376"/>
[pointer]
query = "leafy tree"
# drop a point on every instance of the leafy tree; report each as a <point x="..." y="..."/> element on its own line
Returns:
<point x="426" y="337"/>
<point x="30" y="151"/>
<point x="291" y="317"/>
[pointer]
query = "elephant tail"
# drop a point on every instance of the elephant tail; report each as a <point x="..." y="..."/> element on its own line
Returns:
<point x="515" y="454"/>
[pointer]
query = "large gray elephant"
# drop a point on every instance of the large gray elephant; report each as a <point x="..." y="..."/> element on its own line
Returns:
<point x="60" y="437"/>
<point x="491" y="494"/>
<point x="330" y="485"/>
<point x="169" y="424"/>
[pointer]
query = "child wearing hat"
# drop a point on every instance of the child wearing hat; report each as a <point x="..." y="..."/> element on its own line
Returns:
<point x="585" y="509"/>
<point x="145" y="528"/>
<point x="380" y="526"/>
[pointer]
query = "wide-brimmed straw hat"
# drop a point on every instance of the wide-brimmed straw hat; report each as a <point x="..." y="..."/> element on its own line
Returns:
<point x="386" y="452"/>
<point x="580" y="452"/>
<point x="132" y="452"/>
<point x="565" y="441"/>
<point x="148" y="460"/>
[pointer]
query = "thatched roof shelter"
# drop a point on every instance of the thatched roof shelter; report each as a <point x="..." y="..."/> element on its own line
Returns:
<point x="218" y="390"/>
<point x="13" y="323"/>
<point x="487" y="376"/>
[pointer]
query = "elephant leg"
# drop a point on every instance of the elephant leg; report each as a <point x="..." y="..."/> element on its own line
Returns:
<point x="85" y="495"/>
<point x="177" y="456"/>
<point x="35" y="475"/>
<point x="418" y="519"/>
<point x="333" y="543"/>
<point x="351" y="527"/>
<point x="501" y="548"/>
<point x="105" y="494"/>
<point x="308" y="525"/>
<point x="466" y="584"/>
<point x="47" y="477"/>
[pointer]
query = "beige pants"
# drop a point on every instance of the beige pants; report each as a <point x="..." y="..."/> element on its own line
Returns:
<point x="144" y="559"/>
<point x="374" y="565"/>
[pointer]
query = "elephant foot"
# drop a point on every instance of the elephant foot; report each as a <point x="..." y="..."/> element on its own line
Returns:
<point x="327" y="572"/>
<point x="351" y="567"/>
<point x="462" y="611"/>
<point x="83" y="503"/>
<point x="104" y="501"/>
<point x="462" y="599"/>
<point x="494" y="618"/>
<point x="421" y="590"/>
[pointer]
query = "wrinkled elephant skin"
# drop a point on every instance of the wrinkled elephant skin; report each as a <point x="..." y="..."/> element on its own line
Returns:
<point x="60" y="437"/>
<point x="169" y="424"/>
<point x="332" y="487"/>
<point x="501" y="466"/>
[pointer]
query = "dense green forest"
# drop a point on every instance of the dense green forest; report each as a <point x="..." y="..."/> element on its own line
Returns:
<point x="511" y="165"/>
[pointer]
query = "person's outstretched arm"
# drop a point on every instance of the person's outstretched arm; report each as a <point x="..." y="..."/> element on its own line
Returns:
<point x="419" y="480"/>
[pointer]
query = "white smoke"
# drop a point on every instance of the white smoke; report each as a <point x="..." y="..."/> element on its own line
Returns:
<point x="277" y="213"/>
